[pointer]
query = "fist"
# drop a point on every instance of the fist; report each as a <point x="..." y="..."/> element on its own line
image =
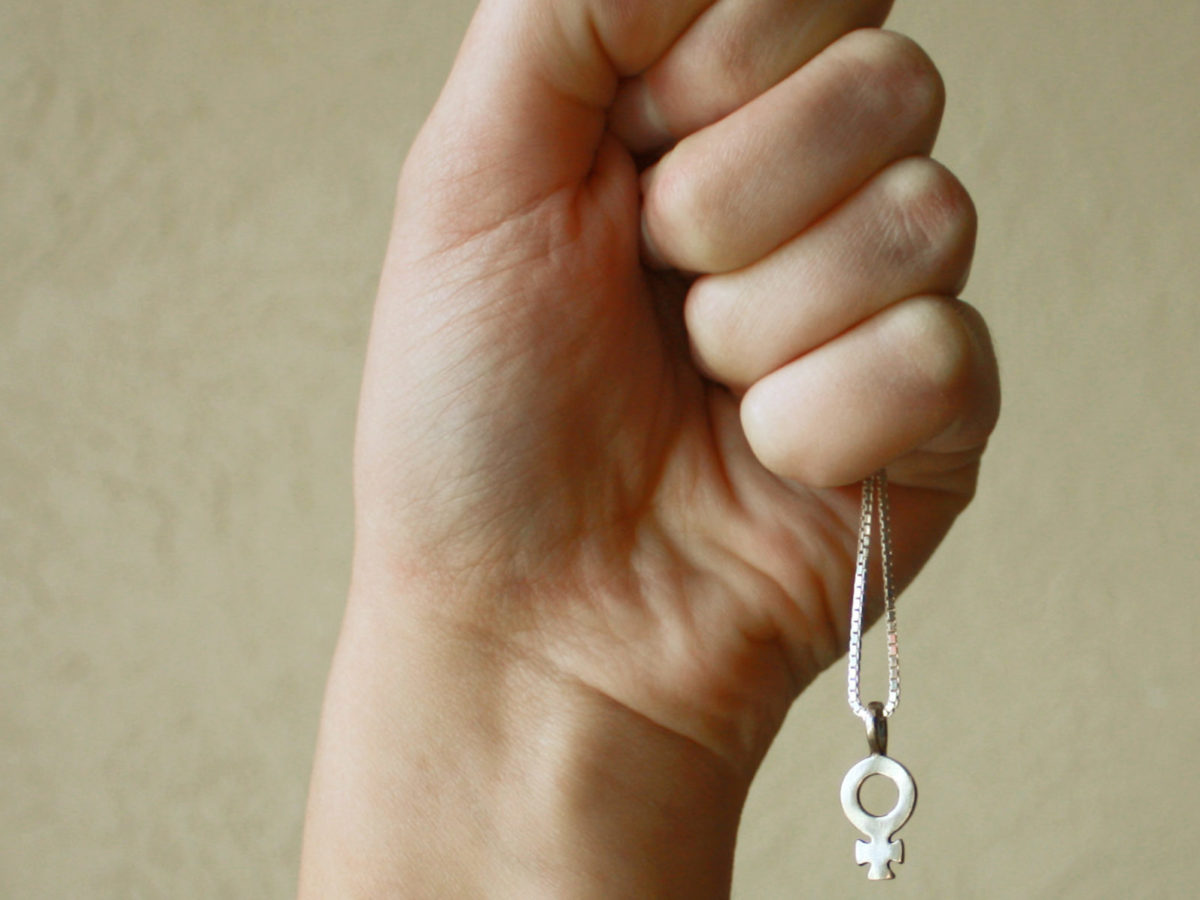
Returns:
<point x="667" y="280"/>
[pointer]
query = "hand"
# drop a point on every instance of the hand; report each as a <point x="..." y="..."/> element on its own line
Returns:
<point x="667" y="279"/>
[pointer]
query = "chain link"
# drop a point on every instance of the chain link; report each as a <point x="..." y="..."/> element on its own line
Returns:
<point x="874" y="499"/>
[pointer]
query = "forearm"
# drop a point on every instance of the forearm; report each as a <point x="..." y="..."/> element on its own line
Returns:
<point x="448" y="767"/>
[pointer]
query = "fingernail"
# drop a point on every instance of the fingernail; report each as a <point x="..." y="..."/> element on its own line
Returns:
<point x="637" y="119"/>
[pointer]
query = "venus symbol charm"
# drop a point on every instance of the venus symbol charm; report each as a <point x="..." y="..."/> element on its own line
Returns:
<point x="880" y="851"/>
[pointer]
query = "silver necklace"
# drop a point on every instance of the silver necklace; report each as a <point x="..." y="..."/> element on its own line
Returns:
<point x="880" y="851"/>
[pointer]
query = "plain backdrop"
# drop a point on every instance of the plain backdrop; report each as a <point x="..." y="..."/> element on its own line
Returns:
<point x="194" y="203"/>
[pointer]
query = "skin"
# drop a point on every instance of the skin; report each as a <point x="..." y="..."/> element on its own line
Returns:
<point x="667" y="279"/>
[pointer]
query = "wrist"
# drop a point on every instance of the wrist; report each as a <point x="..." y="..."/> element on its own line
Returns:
<point x="450" y="765"/>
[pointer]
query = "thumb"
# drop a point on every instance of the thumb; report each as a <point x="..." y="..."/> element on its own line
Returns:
<point x="524" y="109"/>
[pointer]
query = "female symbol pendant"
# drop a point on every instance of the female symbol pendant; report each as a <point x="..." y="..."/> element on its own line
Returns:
<point x="880" y="851"/>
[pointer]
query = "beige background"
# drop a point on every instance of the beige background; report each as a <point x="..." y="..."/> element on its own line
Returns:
<point x="194" y="199"/>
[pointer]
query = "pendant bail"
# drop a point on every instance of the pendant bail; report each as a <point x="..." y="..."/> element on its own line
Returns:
<point x="877" y="730"/>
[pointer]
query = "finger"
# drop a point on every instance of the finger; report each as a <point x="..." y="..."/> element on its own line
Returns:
<point x="732" y="192"/>
<point x="918" y="377"/>
<point x="908" y="231"/>
<point x="523" y="111"/>
<point x="733" y="52"/>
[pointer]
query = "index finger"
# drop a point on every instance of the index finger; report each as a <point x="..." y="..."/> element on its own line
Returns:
<point x="735" y="50"/>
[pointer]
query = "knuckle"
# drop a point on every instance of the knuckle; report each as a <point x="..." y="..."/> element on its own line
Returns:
<point x="763" y="434"/>
<point x="899" y="75"/>
<point x="625" y="28"/>
<point x="738" y="62"/>
<point x="985" y="381"/>
<point x="780" y="446"/>
<point x="932" y="217"/>
<point x="940" y="349"/>
<point x="703" y="314"/>
<point x="715" y="329"/>
<point x="689" y="203"/>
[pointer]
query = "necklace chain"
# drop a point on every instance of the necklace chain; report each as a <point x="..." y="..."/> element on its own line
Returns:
<point x="874" y="505"/>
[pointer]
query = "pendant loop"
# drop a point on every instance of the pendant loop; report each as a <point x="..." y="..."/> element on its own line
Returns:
<point x="877" y="731"/>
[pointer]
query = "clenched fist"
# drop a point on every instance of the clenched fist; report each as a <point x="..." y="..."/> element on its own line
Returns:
<point x="667" y="279"/>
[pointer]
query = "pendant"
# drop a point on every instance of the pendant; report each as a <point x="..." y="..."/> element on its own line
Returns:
<point x="880" y="851"/>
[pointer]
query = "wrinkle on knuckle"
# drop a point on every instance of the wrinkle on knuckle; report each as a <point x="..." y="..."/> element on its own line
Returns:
<point x="897" y="77"/>
<point x="914" y="79"/>
<point x="738" y="62"/>
<point x="931" y="216"/>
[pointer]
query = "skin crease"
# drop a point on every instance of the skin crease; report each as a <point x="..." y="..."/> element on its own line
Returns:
<point x="604" y="527"/>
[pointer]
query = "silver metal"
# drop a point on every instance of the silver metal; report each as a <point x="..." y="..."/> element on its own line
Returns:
<point x="877" y="728"/>
<point x="874" y="505"/>
<point x="880" y="851"/>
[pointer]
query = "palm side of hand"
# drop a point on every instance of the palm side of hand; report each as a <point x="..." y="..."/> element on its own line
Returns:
<point x="536" y="440"/>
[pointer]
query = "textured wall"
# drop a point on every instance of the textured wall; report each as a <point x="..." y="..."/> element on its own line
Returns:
<point x="194" y="199"/>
